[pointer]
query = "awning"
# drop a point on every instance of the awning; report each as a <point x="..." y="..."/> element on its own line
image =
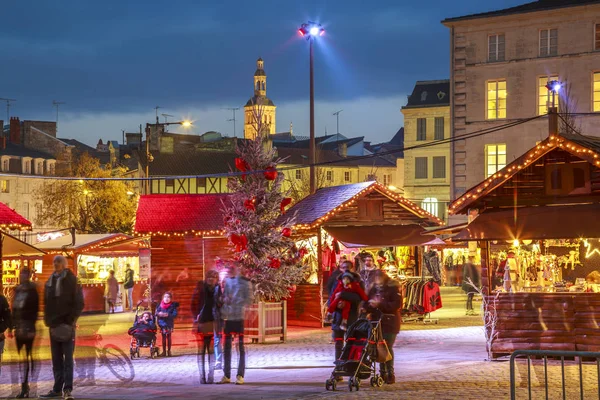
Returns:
<point x="13" y="247"/>
<point x="544" y="222"/>
<point x="380" y="236"/>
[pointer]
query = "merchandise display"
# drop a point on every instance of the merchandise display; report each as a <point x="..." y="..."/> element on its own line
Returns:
<point x="93" y="269"/>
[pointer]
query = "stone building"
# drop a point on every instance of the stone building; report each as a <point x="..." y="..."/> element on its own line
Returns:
<point x="427" y="169"/>
<point x="259" y="104"/>
<point x="500" y="64"/>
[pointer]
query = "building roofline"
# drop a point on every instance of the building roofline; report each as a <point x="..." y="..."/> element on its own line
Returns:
<point x="426" y="106"/>
<point x="433" y="82"/>
<point x="521" y="9"/>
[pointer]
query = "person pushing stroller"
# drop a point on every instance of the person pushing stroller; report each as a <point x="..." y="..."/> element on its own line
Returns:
<point x="349" y="283"/>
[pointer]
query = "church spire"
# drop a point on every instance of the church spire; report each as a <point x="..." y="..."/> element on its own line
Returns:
<point x="260" y="79"/>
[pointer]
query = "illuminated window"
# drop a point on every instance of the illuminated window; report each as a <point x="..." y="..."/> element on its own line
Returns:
<point x="4" y="187"/>
<point x="496" y="99"/>
<point x="548" y="42"/>
<point x="495" y="48"/>
<point x="495" y="155"/>
<point x="596" y="90"/>
<point x="544" y="95"/>
<point x="347" y="176"/>
<point x="430" y="204"/>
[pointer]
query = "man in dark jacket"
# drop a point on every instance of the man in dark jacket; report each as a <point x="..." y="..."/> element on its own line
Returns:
<point x="470" y="272"/>
<point x="63" y="305"/>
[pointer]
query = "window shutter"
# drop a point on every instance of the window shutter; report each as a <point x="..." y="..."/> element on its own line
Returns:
<point x="420" y="167"/>
<point x="439" y="167"/>
<point x="439" y="128"/>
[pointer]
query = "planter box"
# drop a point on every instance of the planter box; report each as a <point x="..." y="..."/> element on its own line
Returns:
<point x="266" y="320"/>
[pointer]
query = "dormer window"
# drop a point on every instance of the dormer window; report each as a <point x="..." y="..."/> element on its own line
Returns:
<point x="568" y="179"/>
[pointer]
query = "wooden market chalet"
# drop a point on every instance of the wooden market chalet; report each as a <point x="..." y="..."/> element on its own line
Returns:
<point x="540" y="213"/>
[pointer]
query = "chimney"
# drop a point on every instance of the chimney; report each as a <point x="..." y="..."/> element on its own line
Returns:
<point x="343" y="149"/>
<point x="15" y="130"/>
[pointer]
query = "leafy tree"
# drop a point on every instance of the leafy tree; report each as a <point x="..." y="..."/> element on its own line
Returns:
<point x="90" y="206"/>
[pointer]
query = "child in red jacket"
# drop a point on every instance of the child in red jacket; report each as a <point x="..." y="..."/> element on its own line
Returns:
<point x="348" y="284"/>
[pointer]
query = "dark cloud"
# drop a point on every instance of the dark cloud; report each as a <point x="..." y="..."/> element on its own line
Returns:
<point x="127" y="56"/>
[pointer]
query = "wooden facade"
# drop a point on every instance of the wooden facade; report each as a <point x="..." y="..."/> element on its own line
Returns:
<point x="558" y="181"/>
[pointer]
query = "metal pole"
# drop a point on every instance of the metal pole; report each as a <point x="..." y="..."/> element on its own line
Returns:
<point x="234" y="132"/>
<point x="147" y="184"/>
<point x="311" y="155"/>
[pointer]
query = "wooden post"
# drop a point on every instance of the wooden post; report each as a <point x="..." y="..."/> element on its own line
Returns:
<point x="320" y="272"/>
<point x="261" y="322"/>
<point x="1" y="263"/>
<point x="284" y="320"/>
<point x="486" y="271"/>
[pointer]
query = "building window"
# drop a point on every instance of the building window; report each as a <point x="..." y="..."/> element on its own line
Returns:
<point x="495" y="155"/>
<point x="40" y="168"/>
<point x="347" y="176"/>
<point x="596" y="94"/>
<point x="4" y="186"/>
<point x="200" y="183"/>
<point x="421" y="129"/>
<point x="298" y="174"/>
<point x="548" y="42"/>
<point x="496" y="99"/>
<point x="495" y="48"/>
<point x="430" y="204"/>
<point x="387" y="179"/>
<point x="439" y="128"/>
<point x="420" y="167"/>
<point x="439" y="167"/>
<point x="5" y="166"/>
<point x="597" y="37"/>
<point x="38" y="211"/>
<point x="329" y="176"/>
<point x="544" y="95"/>
<point x="25" y="210"/>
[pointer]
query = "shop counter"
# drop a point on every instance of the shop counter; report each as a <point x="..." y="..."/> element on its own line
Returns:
<point x="94" y="301"/>
<point x="566" y="321"/>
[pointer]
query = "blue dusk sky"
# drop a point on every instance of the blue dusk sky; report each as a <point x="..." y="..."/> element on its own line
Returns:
<point x="113" y="61"/>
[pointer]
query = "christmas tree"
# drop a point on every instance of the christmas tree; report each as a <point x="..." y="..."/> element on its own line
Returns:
<point x="258" y="240"/>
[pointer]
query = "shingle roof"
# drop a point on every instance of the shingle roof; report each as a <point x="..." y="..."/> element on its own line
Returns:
<point x="540" y="5"/>
<point x="315" y="207"/>
<point x="21" y="151"/>
<point x="429" y="94"/>
<point x="9" y="218"/>
<point x="190" y="162"/>
<point x="180" y="213"/>
<point x="299" y="156"/>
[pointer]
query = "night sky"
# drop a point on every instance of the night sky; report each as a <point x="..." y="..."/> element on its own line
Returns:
<point x="113" y="61"/>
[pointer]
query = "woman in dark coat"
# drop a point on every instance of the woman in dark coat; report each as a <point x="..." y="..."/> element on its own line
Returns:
<point x="470" y="272"/>
<point x="385" y="300"/>
<point x="25" y="308"/>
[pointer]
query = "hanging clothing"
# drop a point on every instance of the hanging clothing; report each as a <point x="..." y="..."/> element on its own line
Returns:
<point x="432" y="262"/>
<point x="432" y="297"/>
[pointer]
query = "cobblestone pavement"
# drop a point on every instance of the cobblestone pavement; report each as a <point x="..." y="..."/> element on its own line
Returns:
<point x="431" y="361"/>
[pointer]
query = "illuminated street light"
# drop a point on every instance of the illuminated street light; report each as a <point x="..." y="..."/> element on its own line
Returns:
<point x="554" y="87"/>
<point x="310" y="31"/>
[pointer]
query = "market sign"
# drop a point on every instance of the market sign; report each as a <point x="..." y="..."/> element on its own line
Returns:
<point x="44" y="237"/>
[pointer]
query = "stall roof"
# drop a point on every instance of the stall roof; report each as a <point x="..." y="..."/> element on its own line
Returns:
<point x="381" y="236"/>
<point x="317" y="208"/>
<point x="544" y="222"/>
<point x="13" y="247"/>
<point x="81" y="240"/>
<point x="180" y="213"/>
<point x="11" y="219"/>
<point x="583" y="147"/>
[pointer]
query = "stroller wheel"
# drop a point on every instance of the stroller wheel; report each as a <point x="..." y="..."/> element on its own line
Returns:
<point x="327" y="384"/>
<point x="351" y="384"/>
<point x="373" y="382"/>
<point x="380" y="381"/>
<point x="357" y="384"/>
<point x="333" y="384"/>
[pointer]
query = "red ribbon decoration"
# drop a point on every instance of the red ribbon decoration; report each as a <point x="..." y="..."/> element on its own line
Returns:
<point x="270" y="174"/>
<point x="286" y="232"/>
<point x="249" y="204"/>
<point x="284" y="203"/>
<point x="243" y="166"/>
<point x="275" y="263"/>
<point x="240" y="241"/>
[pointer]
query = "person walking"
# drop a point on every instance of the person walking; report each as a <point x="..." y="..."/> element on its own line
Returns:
<point x="344" y="297"/>
<point x="25" y="308"/>
<point x="63" y="304"/>
<point x="5" y="323"/>
<point x="166" y="313"/>
<point x="470" y="272"/>
<point x="237" y="295"/>
<point x="204" y="304"/>
<point x="128" y="284"/>
<point x="385" y="302"/>
<point x="111" y="291"/>
<point x="366" y="274"/>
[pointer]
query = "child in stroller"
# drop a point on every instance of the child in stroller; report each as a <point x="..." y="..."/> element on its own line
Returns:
<point x="143" y="334"/>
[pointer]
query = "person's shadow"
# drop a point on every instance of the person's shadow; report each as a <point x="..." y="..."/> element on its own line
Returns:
<point x="86" y="344"/>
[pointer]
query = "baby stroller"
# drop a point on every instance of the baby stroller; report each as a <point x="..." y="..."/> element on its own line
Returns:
<point x="143" y="334"/>
<point x="359" y="355"/>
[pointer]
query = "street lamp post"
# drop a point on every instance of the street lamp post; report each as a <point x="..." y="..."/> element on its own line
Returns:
<point x="553" y="87"/>
<point x="149" y="157"/>
<point x="310" y="31"/>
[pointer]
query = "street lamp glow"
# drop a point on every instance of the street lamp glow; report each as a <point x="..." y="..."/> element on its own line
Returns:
<point x="314" y="31"/>
<point x="186" y="123"/>
<point x="311" y="29"/>
<point x="554" y="86"/>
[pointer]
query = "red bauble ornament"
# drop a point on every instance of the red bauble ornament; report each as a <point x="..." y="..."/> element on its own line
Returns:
<point x="239" y="241"/>
<point x="292" y="289"/>
<point x="270" y="174"/>
<point x="241" y="164"/>
<point x="275" y="263"/>
<point x="286" y="232"/>
<point x="303" y="251"/>
<point x="284" y="203"/>
<point x="249" y="204"/>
